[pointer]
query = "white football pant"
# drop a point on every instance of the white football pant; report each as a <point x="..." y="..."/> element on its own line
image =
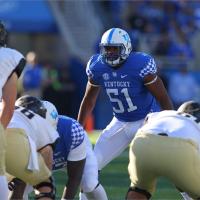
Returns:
<point x="114" y="139"/>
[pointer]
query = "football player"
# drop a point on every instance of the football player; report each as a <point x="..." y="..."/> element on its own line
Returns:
<point x="30" y="142"/>
<point x="134" y="89"/>
<point x="11" y="66"/>
<point x="167" y="145"/>
<point x="71" y="152"/>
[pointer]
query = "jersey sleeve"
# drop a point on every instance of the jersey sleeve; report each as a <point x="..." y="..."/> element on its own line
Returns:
<point x="78" y="134"/>
<point x="148" y="67"/>
<point x="91" y="70"/>
<point x="78" y="153"/>
<point x="78" y="146"/>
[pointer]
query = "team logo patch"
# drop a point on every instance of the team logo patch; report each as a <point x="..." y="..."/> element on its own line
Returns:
<point x="106" y="76"/>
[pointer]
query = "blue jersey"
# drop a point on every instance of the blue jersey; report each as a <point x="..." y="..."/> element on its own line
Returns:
<point x="71" y="136"/>
<point x="130" y="99"/>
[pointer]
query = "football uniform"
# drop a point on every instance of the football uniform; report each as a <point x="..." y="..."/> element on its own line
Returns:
<point x="27" y="133"/>
<point x="130" y="99"/>
<point x="167" y="145"/>
<point x="74" y="145"/>
<point x="9" y="62"/>
<point x="71" y="146"/>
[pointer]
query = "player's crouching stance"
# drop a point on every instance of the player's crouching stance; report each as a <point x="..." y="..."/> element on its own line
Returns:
<point x="74" y="153"/>
<point x="29" y="152"/>
<point x="70" y="154"/>
<point x="167" y="145"/>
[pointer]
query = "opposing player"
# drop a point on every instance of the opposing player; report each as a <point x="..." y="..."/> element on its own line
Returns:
<point x="167" y="145"/>
<point x="11" y="66"/>
<point x="134" y="89"/>
<point x="71" y="151"/>
<point x="30" y="141"/>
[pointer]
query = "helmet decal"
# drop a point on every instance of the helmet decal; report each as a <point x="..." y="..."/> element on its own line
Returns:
<point x="110" y="35"/>
<point x="51" y="114"/>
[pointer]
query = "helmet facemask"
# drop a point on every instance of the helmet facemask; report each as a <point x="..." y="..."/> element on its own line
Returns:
<point x="114" y="54"/>
<point x="192" y="108"/>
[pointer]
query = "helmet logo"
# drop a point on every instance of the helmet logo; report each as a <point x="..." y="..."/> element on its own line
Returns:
<point x="126" y="37"/>
<point x="54" y="114"/>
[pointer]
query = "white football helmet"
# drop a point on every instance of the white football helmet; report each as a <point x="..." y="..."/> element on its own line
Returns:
<point x="192" y="108"/>
<point x="120" y="40"/>
<point x="51" y="114"/>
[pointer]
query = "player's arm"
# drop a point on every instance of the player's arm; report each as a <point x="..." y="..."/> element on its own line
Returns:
<point x="155" y="85"/>
<point x="75" y="162"/>
<point x="47" y="154"/>
<point x="75" y="171"/>
<point x="9" y="94"/>
<point x="88" y="102"/>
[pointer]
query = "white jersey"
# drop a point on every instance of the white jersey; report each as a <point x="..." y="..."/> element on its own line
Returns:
<point x="9" y="59"/>
<point x="173" y="124"/>
<point x="36" y="127"/>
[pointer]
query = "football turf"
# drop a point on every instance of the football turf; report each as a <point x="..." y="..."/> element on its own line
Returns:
<point x="115" y="180"/>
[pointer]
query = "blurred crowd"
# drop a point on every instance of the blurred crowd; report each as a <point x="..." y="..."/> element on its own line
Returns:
<point x="52" y="82"/>
<point x="164" y="28"/>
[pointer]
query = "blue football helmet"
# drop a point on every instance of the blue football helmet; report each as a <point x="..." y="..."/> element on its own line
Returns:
<point x="115" y="46"/>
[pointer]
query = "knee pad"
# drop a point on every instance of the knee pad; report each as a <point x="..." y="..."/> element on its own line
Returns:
<point x="49" y="184"/>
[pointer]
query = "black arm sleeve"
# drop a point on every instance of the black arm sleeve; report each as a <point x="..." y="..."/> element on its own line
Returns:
<point x="19" y="68"/>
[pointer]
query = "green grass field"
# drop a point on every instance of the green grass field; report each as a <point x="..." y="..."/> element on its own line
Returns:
<point x="115" y="180"/>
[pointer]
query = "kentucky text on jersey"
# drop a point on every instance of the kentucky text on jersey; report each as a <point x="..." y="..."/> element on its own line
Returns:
<point x="117" y="84"/>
